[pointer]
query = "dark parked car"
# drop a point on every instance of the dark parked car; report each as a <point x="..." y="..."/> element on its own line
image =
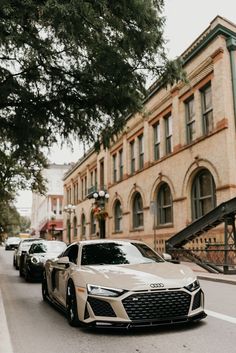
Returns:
<point x="22" y="249"/>
<point x="12" y="243"/>
<point x="37" y="255"/>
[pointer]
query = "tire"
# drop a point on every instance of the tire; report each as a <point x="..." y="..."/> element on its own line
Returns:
<point x="44" y="288"/>
<point x="27" y="276"/>
<point x="21" y="272"/>
<point x="71" y="306"/>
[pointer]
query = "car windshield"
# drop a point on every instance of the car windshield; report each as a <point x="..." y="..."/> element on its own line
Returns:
<point x="45" y="247"/>
<point x="117" y="254"/>
<point x="25" y="245"/>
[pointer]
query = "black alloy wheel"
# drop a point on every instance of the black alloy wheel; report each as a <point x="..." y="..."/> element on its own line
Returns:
<point x="44" y="288"/>
<point x="71" y="306"/>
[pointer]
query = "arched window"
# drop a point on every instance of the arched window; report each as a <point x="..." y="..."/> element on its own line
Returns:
<point x="92" y="223"/>
<point x="203" y="194"/>
<point x="164" y="205"/>
<point x="118" y="216"/>
<point x="75" y="227"/>
<point x="137" y="211"/>
<point x="83" y="225"/>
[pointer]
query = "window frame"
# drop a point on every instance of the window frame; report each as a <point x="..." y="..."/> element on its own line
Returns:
<point x="190" y="119"/>
<point x="207" y="110"/>
<point x="169" y="133"/>
<point x="117" y="217"/>
<point x="121" y="165"/>
<point x="197" y="201"/>
<point x="114" y="165"/>
<point x="157" y="140"/>
<point x="83" y="225"/>
<point x="162" y="207"/>
<point x="141" y="151"/>
<point x="75" y="230"/>
<point x="132" y="157"/>
<point x="93" y="225"/>
<point x="138" y="215"/>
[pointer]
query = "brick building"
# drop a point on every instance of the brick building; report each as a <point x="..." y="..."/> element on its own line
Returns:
<point x="174" y="162"/>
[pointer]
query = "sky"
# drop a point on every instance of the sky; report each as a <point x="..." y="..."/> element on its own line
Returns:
<point x="185" y="21"/>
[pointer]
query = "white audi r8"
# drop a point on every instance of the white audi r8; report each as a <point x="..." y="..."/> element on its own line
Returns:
<point x="121" y="283"/>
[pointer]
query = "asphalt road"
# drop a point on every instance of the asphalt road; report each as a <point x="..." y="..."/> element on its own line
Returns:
<point x="32" y="326"/>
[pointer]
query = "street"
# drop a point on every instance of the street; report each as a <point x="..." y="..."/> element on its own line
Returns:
<point x="35" y="326"/>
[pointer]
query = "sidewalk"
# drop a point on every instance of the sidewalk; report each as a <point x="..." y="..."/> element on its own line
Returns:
<point x="215" y="277"/>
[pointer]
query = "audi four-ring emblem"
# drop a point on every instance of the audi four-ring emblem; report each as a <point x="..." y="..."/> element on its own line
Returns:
<point x="156" y="285"/>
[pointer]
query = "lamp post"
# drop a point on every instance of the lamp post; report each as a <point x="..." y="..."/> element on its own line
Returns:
<point x="69" y="209"/>
<point x="101" y="197"/>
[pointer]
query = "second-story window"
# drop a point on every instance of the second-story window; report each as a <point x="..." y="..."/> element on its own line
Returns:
<point x="121" y="164"/>
<point x="75" y="192"/>
<point x="168" y="130"/>
<point x="91" y="178"/>
<point x="54" y="205"/>
<point x="68" y="196"/>
<point x="95" y="178"/>
<point x="141" y="151"/>
<point x="132" y="158"/>
<point x="102" y="174"/>
<point x="85" y="187"/>
<point x="114" y="158"/>
<point x="156" y="130"/>
<point x="190" y="119"/>
<point x="207" y="109"/>
<point x="82" y="189"/>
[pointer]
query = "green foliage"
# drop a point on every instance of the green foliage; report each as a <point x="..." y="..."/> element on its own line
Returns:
<point x="24" y="223"/>
<point x="9" y="218"/>
<point x="74" y="67"/>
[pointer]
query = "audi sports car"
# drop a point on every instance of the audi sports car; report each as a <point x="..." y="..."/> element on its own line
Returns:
<point x="117" y="283"/>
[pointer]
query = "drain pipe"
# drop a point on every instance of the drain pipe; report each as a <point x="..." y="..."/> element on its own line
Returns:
<point x="231" y="45"/>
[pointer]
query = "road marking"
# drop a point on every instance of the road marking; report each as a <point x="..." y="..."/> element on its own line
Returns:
<point x="221" y="316"/>
<point x="5" y="340"/>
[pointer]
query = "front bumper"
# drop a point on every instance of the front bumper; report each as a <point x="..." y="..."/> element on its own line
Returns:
<point x="144" y="309"/>
<point x="35" y="271"/>
<point x="182" y="320"/>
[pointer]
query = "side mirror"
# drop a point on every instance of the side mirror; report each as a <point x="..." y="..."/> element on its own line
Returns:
<point x="166" y="256"/>
<point x="63" y="261"/>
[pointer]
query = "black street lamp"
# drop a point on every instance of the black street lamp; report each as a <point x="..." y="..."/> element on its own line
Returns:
<point x="69" y="209"/>
<point x="99" y="211"/>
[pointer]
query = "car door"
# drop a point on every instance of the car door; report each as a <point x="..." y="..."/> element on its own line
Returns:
<point x="61" y="273"/>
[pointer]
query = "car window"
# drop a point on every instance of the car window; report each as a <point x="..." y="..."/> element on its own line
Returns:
<point x="117" y="254"/>
<point x="72" y="253"/>
<point x="37" y="248"/>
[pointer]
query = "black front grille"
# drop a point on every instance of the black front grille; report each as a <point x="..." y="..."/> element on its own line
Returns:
<point x="157" y="305"/>
<point x="197" y="300"/>
<point x="101" y="308"/>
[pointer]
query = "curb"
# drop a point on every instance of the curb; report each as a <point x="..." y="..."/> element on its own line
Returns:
<point x="5" y="340"/>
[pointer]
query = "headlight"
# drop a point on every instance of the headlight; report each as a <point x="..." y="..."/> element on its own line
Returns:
<point x="34" y="260"/>
<point x="193" y="286"/>
<point x="104" y="291"/>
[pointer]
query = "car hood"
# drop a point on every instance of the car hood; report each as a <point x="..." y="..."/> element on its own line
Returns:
<point x="138" y="276"/>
